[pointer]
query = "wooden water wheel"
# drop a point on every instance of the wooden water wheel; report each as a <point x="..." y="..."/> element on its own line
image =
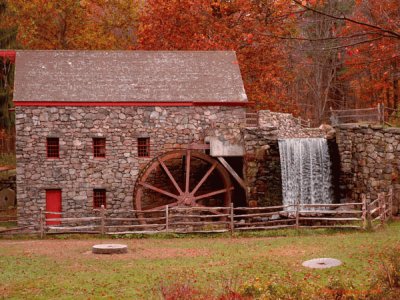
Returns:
<point x="182" y="178"/>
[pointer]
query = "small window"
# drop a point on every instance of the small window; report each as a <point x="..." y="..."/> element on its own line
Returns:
<point x="53" y="148"/>
<point x="99" y="147"/>
<point x="143" y="147"/>
<point x="99" y="198"/>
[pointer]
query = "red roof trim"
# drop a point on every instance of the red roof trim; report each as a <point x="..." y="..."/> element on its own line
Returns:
<point x="10" y="54"/>
<point x="78" y="103"/>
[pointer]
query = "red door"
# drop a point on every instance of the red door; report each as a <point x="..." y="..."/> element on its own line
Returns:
<point x="53" y="204"/>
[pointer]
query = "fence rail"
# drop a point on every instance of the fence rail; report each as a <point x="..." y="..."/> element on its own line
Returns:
<point x="379" y="114"/>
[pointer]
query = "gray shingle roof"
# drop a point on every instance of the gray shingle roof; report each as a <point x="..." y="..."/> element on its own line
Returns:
<point x="128" y="76"/>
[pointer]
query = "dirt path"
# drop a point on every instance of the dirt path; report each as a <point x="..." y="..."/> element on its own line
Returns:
<point x="76" y="249"/>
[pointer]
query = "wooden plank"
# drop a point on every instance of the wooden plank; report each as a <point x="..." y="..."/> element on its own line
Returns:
<point x="198" y="216"/>
<point x="199" y="208"/>
<point x="9" y="221"/>
<point x="13" y="229"/>
<point x="136" y="226"/>
<point x="199" y="223"/>
<point x="336" y="212"/>
<point x="74" y="232"/>
<point x="332" y="226"/>
<point x="263" y="208"/>
<point x="266" y="227"/>
<point x="201" y="231"/>
<point x="71" y="228"/>
<point x="265" y="223"/>
<point x="135" y="232"/>
<point x="53" y="212"/>
<point x="136" y="219"/>
<point x="331" y="204"/>
<point x="83" y="219"/>
<point x="330" y="219"/>
<point x="233" y="172"/>
<point x="267" y="214"/>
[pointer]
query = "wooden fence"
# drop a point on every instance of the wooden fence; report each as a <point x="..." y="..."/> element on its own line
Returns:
<point x="8" y="222"/>
<point x="371" y="115"/>
<point x="358" y="215"/>
<point x="7" y="142"/>
<point x="379" y="114"/>
<point x="377" y="212"/>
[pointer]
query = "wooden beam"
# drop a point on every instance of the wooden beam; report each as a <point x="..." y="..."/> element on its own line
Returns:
<point x="233" y="172"/>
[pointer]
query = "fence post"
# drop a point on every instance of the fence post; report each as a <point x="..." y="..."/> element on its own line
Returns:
<point x="232" y="225"/>
<point x="103" y="220"/>
<point x="364" y="210"/>
<point x="390" y="200"/>
<point x="381" y="200"/>
<point x="41" y="225"/>
<point x="166" y="218"/>
<point x="297" y="215"/>
<point x="369" y="217"/>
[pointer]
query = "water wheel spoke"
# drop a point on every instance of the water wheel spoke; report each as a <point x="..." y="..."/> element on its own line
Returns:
<point x="204" y="178"/>
<point x="158" y="190"/>
<point x="187" y="180"/>
<point x="221" y="191"/>
<point x="170" y="176"/>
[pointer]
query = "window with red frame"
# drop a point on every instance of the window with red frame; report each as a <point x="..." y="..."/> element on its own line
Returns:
<point x="99" y="198"/>
<point x="53" y="147"/>
<point x="143" y="147"/>
<point x="99" y="147"/>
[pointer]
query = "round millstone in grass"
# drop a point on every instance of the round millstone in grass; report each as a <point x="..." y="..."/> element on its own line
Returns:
<point x="321" y="263"/>
<point x="110" y="249"/>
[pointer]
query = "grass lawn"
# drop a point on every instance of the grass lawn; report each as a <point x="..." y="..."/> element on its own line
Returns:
<point x="203" y="267"/>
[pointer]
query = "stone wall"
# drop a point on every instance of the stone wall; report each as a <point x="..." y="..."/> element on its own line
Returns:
<point x="369" y="160"/>
<point x="77" y="172"/>
<point x="287" y="126"/>
<point x="262" y="161"/>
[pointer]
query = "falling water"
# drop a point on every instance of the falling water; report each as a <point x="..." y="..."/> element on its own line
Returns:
<point x="306" y="171"/>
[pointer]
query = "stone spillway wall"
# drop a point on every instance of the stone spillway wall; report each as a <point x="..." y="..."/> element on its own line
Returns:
<point x="369" y="161"/>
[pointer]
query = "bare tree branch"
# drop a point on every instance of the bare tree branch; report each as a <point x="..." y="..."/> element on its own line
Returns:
<point x="390" y="33"/>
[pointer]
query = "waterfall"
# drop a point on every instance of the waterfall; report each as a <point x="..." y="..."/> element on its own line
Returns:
<point x="306" y="171"/>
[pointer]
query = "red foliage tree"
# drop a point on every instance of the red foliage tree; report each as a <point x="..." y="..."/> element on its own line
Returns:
<point x="245" y="26"/>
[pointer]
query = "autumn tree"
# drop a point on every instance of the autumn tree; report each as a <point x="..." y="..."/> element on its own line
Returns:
<point x="72" y="24"/>
<point x="7" y="41"/>
<point x="368" y="43"/>
<point x="242" y="25"/>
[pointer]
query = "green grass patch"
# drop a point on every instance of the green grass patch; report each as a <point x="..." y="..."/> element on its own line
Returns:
<point x="258" y="265"/>
<point x="8" y="160"/>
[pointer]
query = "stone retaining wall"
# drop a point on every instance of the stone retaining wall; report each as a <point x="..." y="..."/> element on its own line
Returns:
<point x="370" y="161"/>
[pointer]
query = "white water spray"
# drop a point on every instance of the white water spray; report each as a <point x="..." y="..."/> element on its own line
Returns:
<point x="306" y="171"/>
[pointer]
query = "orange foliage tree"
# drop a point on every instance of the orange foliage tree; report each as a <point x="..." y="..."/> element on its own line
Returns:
<point x="373" y="59"/>
<point x="246" y="26"/>
<point x="71" y="24"/>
